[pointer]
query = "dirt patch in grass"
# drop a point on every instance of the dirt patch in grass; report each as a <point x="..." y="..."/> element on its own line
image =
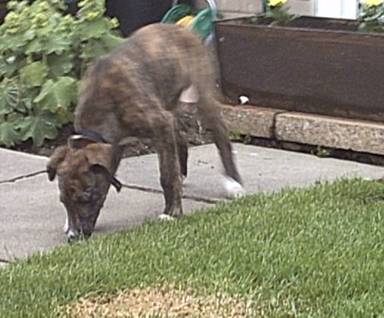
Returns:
<point x="159" y="302"/>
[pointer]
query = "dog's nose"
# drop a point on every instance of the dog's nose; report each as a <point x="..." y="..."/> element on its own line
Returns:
<point x="87" y="235"/>
<point x="86" y="229"/>
<point x="72" y="236"/>
<point x="72" y="239"/>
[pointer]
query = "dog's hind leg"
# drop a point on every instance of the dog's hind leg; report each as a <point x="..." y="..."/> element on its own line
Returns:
<point x="170" y="178"/>
<point x="182" y="150"/>
<point x="209" y="110"/>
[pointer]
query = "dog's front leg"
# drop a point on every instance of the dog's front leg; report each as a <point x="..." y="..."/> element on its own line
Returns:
<point x="170" y="177"/>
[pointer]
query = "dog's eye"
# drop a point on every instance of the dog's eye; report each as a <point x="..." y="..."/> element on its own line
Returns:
<point x="89" y="195"/>
<point x="86" y="196"/>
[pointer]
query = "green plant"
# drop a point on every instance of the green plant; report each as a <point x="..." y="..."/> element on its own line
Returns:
<point x="43" y="54"/>
<point x="235" y="135"/>
<point x="278" y="11"/>
<point x="372" y="16"/>
<point x="321" y="152"/>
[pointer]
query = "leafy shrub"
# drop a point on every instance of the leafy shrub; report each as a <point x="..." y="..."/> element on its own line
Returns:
<point x="278" y="11"/>
<point x="372" y="16"/>
<point x="43" y="54"/>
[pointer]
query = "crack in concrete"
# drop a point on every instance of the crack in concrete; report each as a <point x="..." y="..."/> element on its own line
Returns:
<point x="128" y="186"/>
<point x="4" y="261"/>
<point x="26" y="176"/>
<point x="10" y="258"/>
<point x="185" y="196"/>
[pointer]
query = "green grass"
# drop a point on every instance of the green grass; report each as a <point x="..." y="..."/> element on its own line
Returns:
<point x="299" y="253"/>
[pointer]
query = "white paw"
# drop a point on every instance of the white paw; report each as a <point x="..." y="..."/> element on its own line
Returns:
<point x="183" y="179"/>
<point x="66" y="226"/>
<point x="234" y="189"/>
<point x="166" y="217"/>
<point x="189" y="95"/>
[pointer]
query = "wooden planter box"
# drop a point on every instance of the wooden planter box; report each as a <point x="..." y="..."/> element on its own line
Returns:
<point x="315" y="65"/>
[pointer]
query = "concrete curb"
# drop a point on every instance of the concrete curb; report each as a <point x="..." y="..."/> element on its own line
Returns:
<point x="303" y="128"/>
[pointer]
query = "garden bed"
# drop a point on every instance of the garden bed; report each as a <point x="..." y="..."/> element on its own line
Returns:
<point x="195" y="135"/>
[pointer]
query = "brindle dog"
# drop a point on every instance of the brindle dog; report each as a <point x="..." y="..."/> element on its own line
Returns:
<point x="135" y="91"/>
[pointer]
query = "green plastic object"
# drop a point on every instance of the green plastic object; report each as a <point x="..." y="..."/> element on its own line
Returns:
<point x="176" y="13"/>
<point x="203" y="23"/>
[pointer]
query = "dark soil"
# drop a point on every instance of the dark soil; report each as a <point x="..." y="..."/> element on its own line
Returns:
<point x="49" y="145"/>
<point x="191" y="128"/>
<point x="306" y="23"/>
<point x="323" y="23"/>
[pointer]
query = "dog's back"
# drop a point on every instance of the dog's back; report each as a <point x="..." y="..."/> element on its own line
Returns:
<point x="173" y="57"/>
<point x="154" y="66"/>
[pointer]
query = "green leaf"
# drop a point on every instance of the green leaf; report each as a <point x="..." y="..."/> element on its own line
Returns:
<point x="8" y="134"/>
<point x="9" y="65"/>
<point x="12" y="42"/>
<point x="35" y="46"/>
<point x="94" y="29"/>
<point x="26" y="103"/>
<point x="9" y="97"/>
<point x="111" y="41"/>
<point x="3" y="66"/>
<point x="56" y="95"/>
<point x="38" y="128"/>
<point x="58" y="44"/>
<point x="30" y="35"/>
<point x="92" y="50"/>
<point x="60" y="65"/>
<point x="34" y="74"/>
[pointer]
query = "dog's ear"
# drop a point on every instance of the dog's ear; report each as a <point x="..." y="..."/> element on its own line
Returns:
<point x="100" y="158"/>
<point x="56" y="158"/>
<point x="99" y="155"/>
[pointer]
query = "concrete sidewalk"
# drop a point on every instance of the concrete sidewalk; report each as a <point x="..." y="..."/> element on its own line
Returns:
<point x="32" y="216"/>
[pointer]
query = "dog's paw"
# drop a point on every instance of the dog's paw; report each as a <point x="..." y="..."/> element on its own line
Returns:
<point x="234" y="189"/>
<point x="66" y="226"/>
<point x="166" y="217"/>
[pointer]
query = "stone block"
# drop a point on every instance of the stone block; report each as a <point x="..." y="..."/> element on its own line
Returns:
<point x="250" y="120"/>
<point x="347" y="134"/>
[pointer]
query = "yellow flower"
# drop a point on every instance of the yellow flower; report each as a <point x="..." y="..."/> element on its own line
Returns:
<point x="277" y="3"/>
<point x="373" y="3"/>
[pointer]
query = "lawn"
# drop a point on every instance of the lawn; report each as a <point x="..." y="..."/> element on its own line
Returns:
<point x="316" y="252"/>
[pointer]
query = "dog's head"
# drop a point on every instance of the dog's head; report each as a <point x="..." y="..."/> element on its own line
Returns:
<point x="85" y="172"/>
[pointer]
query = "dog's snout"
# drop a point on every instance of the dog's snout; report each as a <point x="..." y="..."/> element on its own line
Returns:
<point x="79" y="225"/>
<point x="87" y="225"/>
<point x="76" y="236"/>
<point x="72" y="237"/>
<point x="86" y="233"/>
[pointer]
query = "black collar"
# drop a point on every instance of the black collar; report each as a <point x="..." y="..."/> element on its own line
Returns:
<point x="91" y="135"/>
